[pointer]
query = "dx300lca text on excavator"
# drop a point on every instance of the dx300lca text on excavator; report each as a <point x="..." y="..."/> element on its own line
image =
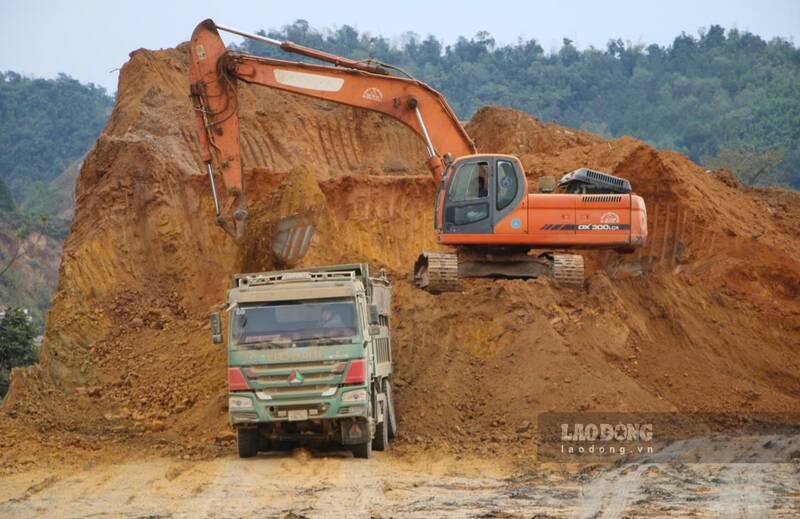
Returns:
<point x="482" y="206"/>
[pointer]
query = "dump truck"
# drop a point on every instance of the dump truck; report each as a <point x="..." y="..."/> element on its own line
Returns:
<point x="309" y="359"/>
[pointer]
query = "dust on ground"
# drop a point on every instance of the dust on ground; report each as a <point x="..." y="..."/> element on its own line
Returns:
<point x="306" y="484"/>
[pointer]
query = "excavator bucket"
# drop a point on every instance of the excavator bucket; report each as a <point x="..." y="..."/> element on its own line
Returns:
<point x="437" y="272"/>
<point x="293" y="235"/>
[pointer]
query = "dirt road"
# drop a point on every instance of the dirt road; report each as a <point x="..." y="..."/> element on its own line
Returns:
<point x="301" y="484"/>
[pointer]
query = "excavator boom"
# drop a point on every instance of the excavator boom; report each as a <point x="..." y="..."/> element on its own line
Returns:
<point x="216" y="70"/>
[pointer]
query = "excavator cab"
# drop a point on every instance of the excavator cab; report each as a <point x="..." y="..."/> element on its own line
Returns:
<point x="478" y="192"/>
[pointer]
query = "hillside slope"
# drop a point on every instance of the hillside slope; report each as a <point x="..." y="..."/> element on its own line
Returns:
<point x="31" y="279"/>
<point x="705" y="317"/>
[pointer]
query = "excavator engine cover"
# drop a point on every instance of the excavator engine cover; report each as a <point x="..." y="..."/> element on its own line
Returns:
<point x="585" y="180"/>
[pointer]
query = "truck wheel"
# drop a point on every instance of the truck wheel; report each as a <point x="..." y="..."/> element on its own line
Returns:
<point x="381" y="440"/>
<point x="247" y="442"/>
<point x="392" y="413"/>
<point x="363" y="450"/>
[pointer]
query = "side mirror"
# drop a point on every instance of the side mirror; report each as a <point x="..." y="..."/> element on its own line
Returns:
<point x="216" y="328"/>
<point x="547" y="184"/>
<point x="374" y="317"/>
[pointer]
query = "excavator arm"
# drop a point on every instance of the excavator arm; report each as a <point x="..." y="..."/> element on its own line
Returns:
<point x="215" y="72"/>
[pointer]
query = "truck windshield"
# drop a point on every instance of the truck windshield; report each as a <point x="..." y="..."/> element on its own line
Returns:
<point x="285" y="322"/>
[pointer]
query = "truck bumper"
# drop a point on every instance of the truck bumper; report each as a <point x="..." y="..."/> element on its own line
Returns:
<point x="292" y="410"/>
<point x="345" y="431"/>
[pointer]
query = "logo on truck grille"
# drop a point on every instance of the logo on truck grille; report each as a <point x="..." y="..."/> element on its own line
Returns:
<point x="295" y="378"/>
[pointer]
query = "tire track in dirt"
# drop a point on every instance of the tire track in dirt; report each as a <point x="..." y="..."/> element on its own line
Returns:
<point x="742" y="494"/>
<point x="35" y="489"/>
<point x="611" y="494"/>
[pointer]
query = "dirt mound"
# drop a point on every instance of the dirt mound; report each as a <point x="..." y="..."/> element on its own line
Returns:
<point x="705" y="317"/>
<point x="384" y="220"/>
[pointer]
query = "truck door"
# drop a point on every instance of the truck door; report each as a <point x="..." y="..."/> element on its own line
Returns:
<point x="467" y="208"/>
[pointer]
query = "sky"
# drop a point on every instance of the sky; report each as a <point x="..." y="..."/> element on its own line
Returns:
<point x="90" y="39"/>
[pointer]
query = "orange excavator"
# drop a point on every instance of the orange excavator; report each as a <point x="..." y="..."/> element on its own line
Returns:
<point x="482" y="208"/>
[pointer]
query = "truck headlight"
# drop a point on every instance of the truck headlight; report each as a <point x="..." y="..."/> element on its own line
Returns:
<point x="239" y="402"/>
<point x="359" y="395"/>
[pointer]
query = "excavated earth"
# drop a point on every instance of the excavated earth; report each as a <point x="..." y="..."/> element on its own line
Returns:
<point x="706" y="317"/>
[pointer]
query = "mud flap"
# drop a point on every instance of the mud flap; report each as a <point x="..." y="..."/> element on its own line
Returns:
<point x="355" y="432"/>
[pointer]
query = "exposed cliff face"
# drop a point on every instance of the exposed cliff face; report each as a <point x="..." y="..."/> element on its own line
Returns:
<point x="32" y="275"/>
<point x="706" y="316"/>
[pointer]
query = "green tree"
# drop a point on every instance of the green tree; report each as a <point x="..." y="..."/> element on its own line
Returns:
<point x="45" y="125"/>
<point x="16" y="344"/>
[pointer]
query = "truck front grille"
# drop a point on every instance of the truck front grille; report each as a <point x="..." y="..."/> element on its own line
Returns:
<point x="309" y="378"/>
<point x="296" y="380"/>
<point x="304" y="391"/>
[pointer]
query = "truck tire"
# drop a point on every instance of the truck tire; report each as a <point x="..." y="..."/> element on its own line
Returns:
<point x="363" y="450"/>
<point x="247" y="442"/>
<point x="381" y="440"/>
<point x="392" y="413"/>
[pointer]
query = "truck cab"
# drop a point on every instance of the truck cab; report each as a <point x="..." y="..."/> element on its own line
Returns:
<point x="309" y="358"/>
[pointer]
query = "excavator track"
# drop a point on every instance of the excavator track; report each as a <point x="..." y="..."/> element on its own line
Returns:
<point x="568" y="270"/>
<point x="437" y="272"/>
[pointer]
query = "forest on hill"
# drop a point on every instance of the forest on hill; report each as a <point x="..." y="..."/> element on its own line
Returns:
<point x="46" y="125"/>
<point x="726" y="98"/>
